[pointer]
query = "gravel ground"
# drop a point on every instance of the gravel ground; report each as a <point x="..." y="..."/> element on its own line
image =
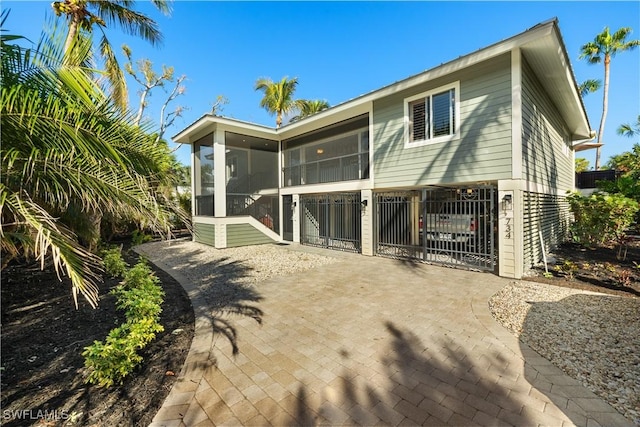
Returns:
<point x="594" y="338"/>
<point x="227" y="277"/>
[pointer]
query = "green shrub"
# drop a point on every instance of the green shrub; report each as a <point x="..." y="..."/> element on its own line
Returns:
<point x="141" y="297"/>
<point x="568" y="268"/>
<point x="114" y="265"/>
<point x="601" y="219"/>
<point x="139" y="237"/>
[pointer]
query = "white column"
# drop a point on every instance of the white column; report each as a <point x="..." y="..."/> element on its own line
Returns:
<point x="296" y="217"/>
<point x="367" y="215"/>
<point x="510" y="228"/>
<point x="194" y="184"/>
<point x="219" y="174"/>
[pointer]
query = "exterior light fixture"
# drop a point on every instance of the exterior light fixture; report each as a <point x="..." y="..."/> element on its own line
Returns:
<point x="319" y="151"/>
<point x="507" y="202"/>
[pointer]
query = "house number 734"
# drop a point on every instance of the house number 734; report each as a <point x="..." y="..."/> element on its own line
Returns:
<point x="507" y="229"/>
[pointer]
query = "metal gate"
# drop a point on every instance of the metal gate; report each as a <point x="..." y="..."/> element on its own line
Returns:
<point x="451" y="226"/>
<point x="331" y="221"/>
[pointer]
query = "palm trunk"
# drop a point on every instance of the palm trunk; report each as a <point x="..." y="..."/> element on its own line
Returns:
<point x="605" y="106"/>
<point x="278" y="119"/>
<point x="74" y="24"/>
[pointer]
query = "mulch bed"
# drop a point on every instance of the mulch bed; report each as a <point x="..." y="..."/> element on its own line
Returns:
<point x="43" y="336"/>
<point x="594" y="269"/>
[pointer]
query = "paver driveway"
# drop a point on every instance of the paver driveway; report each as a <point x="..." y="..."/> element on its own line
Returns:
<point x="370" y="341"/>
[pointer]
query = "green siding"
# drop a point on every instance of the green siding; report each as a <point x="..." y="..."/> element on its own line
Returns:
<point x="483" y="152"/>
<point x="543" y="137"/>
<point x="244" y="235"/>
<point x="204" y="233"/>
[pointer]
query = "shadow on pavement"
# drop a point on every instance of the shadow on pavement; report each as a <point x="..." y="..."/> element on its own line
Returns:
<point x="436" y="385"/>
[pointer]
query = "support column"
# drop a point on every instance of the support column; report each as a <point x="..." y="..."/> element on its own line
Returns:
<point x="219" y="174"/>
<point x="296" y="217"/>
<point x="367" y="218"/>
<point x="510" y="228"/>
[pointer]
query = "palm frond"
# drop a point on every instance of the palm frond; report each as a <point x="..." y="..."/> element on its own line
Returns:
<point x="589" y="86"/>
<point x="67" y="149"/>
<point x="40" y="234"/>
<point x="131" y="22"/>
<point x="114" y="74"/>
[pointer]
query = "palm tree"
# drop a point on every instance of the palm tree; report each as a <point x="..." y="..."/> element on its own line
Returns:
<point x="604" y="47"/>
<point x="629" y="130"/>
<point x="278" y="96"/>
<point x="83" y="15"/>
<point x="309" y="107"/>
<point x="589" y="86"/>
<point x="68" y="152"/>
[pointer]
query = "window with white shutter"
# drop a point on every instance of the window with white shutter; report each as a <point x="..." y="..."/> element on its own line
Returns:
<point x="432" y="117"/>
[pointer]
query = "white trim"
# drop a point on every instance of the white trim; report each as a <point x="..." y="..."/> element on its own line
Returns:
<point x="371" y="145"/>
<point x="200" y="125"/>
<point x="430" y="93"/>
<point x="193" y="177"/>
<point x="530" y="186"/>
<point x="219" y="174"/>
<point x="329" y="187"/>
<point x="516" y="114"/>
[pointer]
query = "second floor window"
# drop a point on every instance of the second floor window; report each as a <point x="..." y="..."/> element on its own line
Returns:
<point x="432" y="116"/>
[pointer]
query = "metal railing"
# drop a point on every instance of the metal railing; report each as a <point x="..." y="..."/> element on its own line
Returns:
<point x="263" y="208"/>
<point x="335" y="169"/>
<point x="204" y="205"/>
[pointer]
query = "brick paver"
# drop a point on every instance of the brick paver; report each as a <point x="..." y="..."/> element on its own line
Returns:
<point x="368" y="341"/>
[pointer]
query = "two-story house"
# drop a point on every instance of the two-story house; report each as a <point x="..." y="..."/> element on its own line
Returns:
<point x="465" y="164"/>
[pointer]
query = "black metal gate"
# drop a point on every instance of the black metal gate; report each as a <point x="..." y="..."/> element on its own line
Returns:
<point x="331" y="221"/>
<point x="451" y="226"/>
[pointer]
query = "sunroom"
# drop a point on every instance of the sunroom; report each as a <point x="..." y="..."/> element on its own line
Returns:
<point x="235" y="185"/>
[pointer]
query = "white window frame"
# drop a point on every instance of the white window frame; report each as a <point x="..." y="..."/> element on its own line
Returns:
<point x="439" y="139"/>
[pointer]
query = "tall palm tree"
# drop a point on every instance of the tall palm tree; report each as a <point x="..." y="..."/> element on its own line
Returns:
<point x="278" y="96"/>
<point x="628" y="130"/>
<point x="589" y="86"/>
<point x="84" y="15"/>
<point x="309" y="107"/>
<point x="67" y="152"/>
<point x="604" y="47"/>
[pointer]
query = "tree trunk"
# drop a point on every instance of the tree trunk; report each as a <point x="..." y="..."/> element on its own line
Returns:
<point x="143" y="97"/>
<point x="74" y="24"/>
<point x="605" y="105"/>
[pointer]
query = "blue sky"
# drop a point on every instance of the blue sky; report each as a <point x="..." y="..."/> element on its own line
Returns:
<point x="340" y="50"/>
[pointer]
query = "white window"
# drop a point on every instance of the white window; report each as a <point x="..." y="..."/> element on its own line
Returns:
<point x="433" y="116"/>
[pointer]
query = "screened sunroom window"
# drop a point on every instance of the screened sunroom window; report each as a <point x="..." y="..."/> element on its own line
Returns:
<point x="432" y="116"/>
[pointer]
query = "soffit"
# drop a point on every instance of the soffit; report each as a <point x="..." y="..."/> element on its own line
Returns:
<point x="548" y="59"/>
